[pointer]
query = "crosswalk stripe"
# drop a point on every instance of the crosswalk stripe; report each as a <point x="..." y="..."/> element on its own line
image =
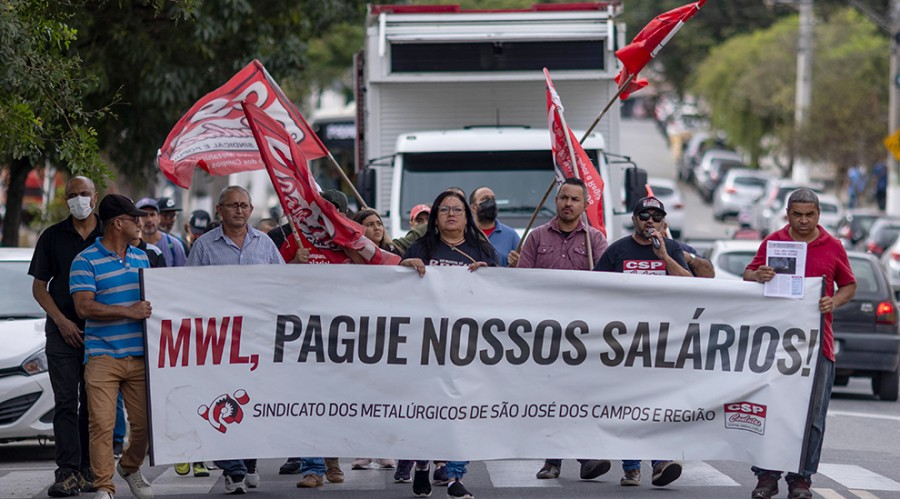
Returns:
<point x="170" y="483"/>
<point x="827" y="493"/>
<point x="517" y="473"/>
<point x="701" y="474"/>
<point x="863" y="494"/>
<point x="23" y="484"/>
<point x="857" y="477"/>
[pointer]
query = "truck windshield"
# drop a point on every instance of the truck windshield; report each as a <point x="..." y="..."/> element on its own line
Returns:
<point x="518" y="179"/>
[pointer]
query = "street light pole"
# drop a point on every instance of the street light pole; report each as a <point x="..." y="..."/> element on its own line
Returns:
<point x="893" y="194"/>
<point x="803" y="93"/>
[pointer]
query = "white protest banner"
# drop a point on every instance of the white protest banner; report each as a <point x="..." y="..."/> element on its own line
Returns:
<point x="351" y="360"/>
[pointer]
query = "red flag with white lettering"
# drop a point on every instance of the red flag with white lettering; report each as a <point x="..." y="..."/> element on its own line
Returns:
<point x="214" y="136"/>
<point x="563" y="150"/>
<point x="637" y="54"/>
<point x="324" y="230"/>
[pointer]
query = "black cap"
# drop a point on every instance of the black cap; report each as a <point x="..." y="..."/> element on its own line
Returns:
<point x="199" y="221"/>
<point x="167" y="204"/>
<point x="337" y="198"/>
<point x="113" y="205"/>
<point x="649" y="203"/>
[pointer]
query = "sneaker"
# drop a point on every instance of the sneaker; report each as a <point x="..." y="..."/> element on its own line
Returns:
<point x="592" y="468"/>
<point x="310" y="480"/>
<point x="387" y="464"/>
<point x="632" y="478"/>
<point x="200" y="470"/>
<point x="548" y="471"/>
<point x="290" y="467"/>
<point x="360" y="463"/>
<point x="139" y="487"/>
<point x="458" y="491"/>
<point x="67" y="484"/>
<point x="103" y="494"/>
<point x="117" y="450"/>
<point x="421" y="483"/>
<point x="665" y="473"/>
<point x="183" y="468"/>
<point x="440" y="477"/>
<point x="210" y="465"/>
<point x="333" y="471"/>
<point x="86" y="480"/>
<point x="799" y="489"/>
<point x="404" y="470"/>
<point x="766" y="486"/>
<point x="252" y="480"/>
<point x="235" y="484"/>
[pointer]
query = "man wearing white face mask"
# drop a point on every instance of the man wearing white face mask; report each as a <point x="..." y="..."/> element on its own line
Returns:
<point x="53" y="255"/>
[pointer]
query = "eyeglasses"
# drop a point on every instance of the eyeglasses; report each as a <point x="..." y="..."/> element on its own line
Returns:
<point x="237" y="206"/>
<point x="646" y="215"/>
<point x="455" y="210"/>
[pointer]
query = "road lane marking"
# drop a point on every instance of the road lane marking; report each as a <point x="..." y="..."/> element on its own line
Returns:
<point x="23" y="484"/>
<point x="863" y="494"/>
<point x="827" y="493"/>
<point x="170" y="483"/>
<point x="517" y="473"/>
<point x="701" y="474"/>
<point x="851" y="414"/>
<point x="857" y="477"/>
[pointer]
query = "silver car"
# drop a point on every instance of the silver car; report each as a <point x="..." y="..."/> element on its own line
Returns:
<point x="770" y="204"/>
<point x="731" y="257"/>
<point x="712" y="169"/>
<point x="740" y="189"/>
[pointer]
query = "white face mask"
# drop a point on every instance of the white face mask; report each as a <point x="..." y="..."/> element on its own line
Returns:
<point x="80" y="207"/>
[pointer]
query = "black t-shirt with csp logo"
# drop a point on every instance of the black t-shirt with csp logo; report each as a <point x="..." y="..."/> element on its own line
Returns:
<point x="628" y="257"/>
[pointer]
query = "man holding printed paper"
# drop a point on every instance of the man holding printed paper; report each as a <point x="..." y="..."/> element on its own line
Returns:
<point x="825" y="257"/>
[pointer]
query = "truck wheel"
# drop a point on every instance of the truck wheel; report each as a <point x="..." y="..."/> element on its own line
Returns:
<point x="887" y="386"/>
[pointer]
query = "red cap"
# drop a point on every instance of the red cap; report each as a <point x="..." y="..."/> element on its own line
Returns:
<point x="419" y="208"/>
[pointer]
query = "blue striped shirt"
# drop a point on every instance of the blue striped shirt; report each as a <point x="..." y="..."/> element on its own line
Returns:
<point x="113" y="282"/>
<point x="215" y="248"/>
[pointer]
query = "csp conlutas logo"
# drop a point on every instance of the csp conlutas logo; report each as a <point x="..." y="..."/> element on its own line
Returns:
<point x="746" y="416"/>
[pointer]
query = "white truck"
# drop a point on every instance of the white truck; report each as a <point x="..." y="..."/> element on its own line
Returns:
<point x="451" y="97"/>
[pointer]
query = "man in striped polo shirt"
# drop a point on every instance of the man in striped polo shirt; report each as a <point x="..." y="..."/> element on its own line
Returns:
<point x="105" y="284"/>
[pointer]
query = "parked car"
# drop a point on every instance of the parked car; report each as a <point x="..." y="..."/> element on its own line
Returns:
<point x="882" y="235"/>
<point x="731" y="257"/>
<point x="890" y="263"/>
<point x="740" y="189"/>
<point x="667" y="191"/>
<point x="855" y="224"/>
<point x="699" y="143"/>
<point x="770" y="204"/>
<point x="712" y="169"/>
<point x="26" y="398"/>
<point x="830" y="213"/>
<point x="866" y="334"/>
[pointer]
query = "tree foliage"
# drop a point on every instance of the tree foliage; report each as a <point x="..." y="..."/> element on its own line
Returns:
<point x="749" y="83"/>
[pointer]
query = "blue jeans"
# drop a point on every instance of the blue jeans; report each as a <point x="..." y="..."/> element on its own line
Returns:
<point x="635" y="464"/>
<point x="820" y="398"/>
<point x="312" y="466"/>
<point x="119" y="429"/>
<point x="456" y="469"/>
<point x="236" y="467"/>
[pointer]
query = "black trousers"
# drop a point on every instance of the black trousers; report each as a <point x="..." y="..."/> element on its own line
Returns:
<point x="70" y="419"/>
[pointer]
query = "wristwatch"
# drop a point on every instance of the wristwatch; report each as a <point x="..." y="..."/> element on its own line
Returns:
<point x="686" y="254"/>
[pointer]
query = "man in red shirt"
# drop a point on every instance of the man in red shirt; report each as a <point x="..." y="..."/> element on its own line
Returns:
<point x="825" y="257"/>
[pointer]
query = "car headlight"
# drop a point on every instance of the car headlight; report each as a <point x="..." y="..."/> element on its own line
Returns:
<point x="36" y="363"/>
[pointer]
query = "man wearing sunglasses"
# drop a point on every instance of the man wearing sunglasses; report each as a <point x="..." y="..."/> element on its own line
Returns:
<point x="646" y="251"/>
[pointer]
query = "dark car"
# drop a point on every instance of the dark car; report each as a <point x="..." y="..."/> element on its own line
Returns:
<point x="881" y="236"/>
<point x="866" y="333"/>
<point x="855" y="224"/>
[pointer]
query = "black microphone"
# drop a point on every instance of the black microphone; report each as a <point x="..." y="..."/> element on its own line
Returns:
<point x="649" y="234"/>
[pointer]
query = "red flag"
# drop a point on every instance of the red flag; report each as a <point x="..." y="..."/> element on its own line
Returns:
<point x="324" y="230"/>
<point x="562" y="158"/>
<point x="649" y="42"/>
<point x="633" y="86"/>
<point x="214" y="136"/>
<point x="654" y="37"/>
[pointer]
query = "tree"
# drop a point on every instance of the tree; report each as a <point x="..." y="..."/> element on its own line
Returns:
<point x="42" y="88"/>
<point x="749" y="83"/>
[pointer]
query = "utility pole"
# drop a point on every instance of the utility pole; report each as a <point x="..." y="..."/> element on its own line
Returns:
<point x="803" y="93"/>
<point x="893" y="194"/>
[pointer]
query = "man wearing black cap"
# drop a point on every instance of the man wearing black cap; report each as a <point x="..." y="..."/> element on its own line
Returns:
<point x="646" y="251"/>
<point x="168" y="210"/>
<point x="173" y="249"/>
<point x="114" y="342"/>
<point x="196" y="226"/>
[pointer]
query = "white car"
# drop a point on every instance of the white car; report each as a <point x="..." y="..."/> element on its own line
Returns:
<point x="740" y="189"/>
<point x="730" y="257"/>
<point x="667" y="191"/>
<point x="26" y="397"/>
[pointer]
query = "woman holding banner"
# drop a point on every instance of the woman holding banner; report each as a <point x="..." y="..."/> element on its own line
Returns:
<point x="452" y="239"/>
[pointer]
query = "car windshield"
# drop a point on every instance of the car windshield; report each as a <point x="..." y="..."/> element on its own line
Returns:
<point x="518" y="179"/>
<point x="735" y="262"/>
<point x="886" y="235"/>
<point x="750" y="182"/>
<point x="16" y="300"/>
<point x="864" y="272"/>
<point x="661" y="191"/>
